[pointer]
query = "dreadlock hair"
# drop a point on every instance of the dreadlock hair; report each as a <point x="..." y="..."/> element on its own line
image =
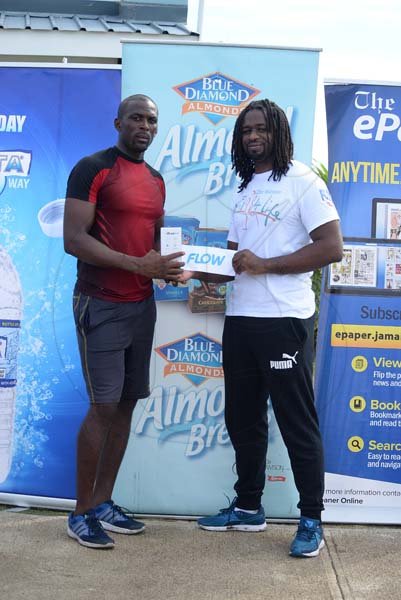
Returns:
<point x="283" y="148"/>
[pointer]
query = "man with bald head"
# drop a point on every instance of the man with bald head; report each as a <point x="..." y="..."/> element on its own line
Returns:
<point x="113" y="214"/>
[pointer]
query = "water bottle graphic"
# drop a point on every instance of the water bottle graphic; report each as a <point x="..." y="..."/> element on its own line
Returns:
<point x="10" y="323"/>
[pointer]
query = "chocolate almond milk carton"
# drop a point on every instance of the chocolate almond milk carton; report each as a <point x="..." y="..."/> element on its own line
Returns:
<point x="208" y="297"/>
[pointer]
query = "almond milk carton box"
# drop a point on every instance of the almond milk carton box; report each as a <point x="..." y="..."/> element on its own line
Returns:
<point x="208" y="297"/>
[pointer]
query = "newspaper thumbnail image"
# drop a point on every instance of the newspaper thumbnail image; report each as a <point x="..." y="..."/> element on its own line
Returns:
<point x="394" y="224"/>
<point x="393" y="269"/>
<point x="358" y="267"/>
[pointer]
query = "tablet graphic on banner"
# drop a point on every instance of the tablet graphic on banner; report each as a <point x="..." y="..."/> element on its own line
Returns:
<point x="359" y="368"/>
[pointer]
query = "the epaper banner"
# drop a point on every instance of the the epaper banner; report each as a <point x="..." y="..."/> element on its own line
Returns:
<point x="208" y="260"/>
<point x="358" y="370"/>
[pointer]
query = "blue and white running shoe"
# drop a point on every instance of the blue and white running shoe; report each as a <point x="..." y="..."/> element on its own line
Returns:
<point x="229" y="519"/>
<point x="113" y="518"/>
<point x="308" y="540"/>
<point x="87" y="530"/>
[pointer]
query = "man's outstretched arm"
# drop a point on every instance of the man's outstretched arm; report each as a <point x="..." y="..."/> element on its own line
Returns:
<point x="79" y="217"/>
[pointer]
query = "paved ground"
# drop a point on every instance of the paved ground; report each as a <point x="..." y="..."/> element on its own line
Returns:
<point x="174" y="560"/>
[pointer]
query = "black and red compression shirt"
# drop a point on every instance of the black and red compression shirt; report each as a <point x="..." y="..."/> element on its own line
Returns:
<point x="129" y="196"/>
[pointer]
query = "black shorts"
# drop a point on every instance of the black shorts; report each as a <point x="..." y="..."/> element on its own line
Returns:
<point x="115" y="343"/>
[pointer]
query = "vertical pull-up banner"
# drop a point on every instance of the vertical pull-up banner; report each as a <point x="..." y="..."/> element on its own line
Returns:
<point x="179" y="459"/>
<point x="359" y="367"/>
<point x="48" y="121"/>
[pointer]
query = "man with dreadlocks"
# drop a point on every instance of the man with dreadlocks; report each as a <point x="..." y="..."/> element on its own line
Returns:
<point x="284" y="225"/>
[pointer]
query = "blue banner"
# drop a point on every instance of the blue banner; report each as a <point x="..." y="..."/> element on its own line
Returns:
<point x="49" y="118"/>
<point x="179" y="459"/>
<point x="359" y="368"/>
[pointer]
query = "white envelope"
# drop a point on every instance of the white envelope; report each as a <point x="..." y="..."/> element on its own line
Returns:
<point x="208" y="259"/>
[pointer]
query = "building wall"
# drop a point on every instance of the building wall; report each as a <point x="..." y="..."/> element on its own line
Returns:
<point x="56" y="45"/>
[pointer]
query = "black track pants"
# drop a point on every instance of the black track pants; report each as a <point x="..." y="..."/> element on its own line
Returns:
<point x="273" y="357"/>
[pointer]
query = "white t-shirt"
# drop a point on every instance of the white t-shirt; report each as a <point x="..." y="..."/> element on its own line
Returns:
<point x="274" y="218"/>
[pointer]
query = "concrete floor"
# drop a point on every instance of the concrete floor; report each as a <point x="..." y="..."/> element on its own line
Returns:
<point x="174" y="560"/>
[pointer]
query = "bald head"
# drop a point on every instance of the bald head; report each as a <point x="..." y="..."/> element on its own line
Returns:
<point x="124" y="104"/>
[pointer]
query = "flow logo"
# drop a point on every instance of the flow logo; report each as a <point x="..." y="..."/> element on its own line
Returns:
<point x="287" y="362"/>
<point x="216" y="96"/>
<point x="196" y="357"/>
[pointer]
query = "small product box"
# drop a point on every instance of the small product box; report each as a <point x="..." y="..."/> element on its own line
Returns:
<point x="170" y="242"/>
<point x="189" y="226"/>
